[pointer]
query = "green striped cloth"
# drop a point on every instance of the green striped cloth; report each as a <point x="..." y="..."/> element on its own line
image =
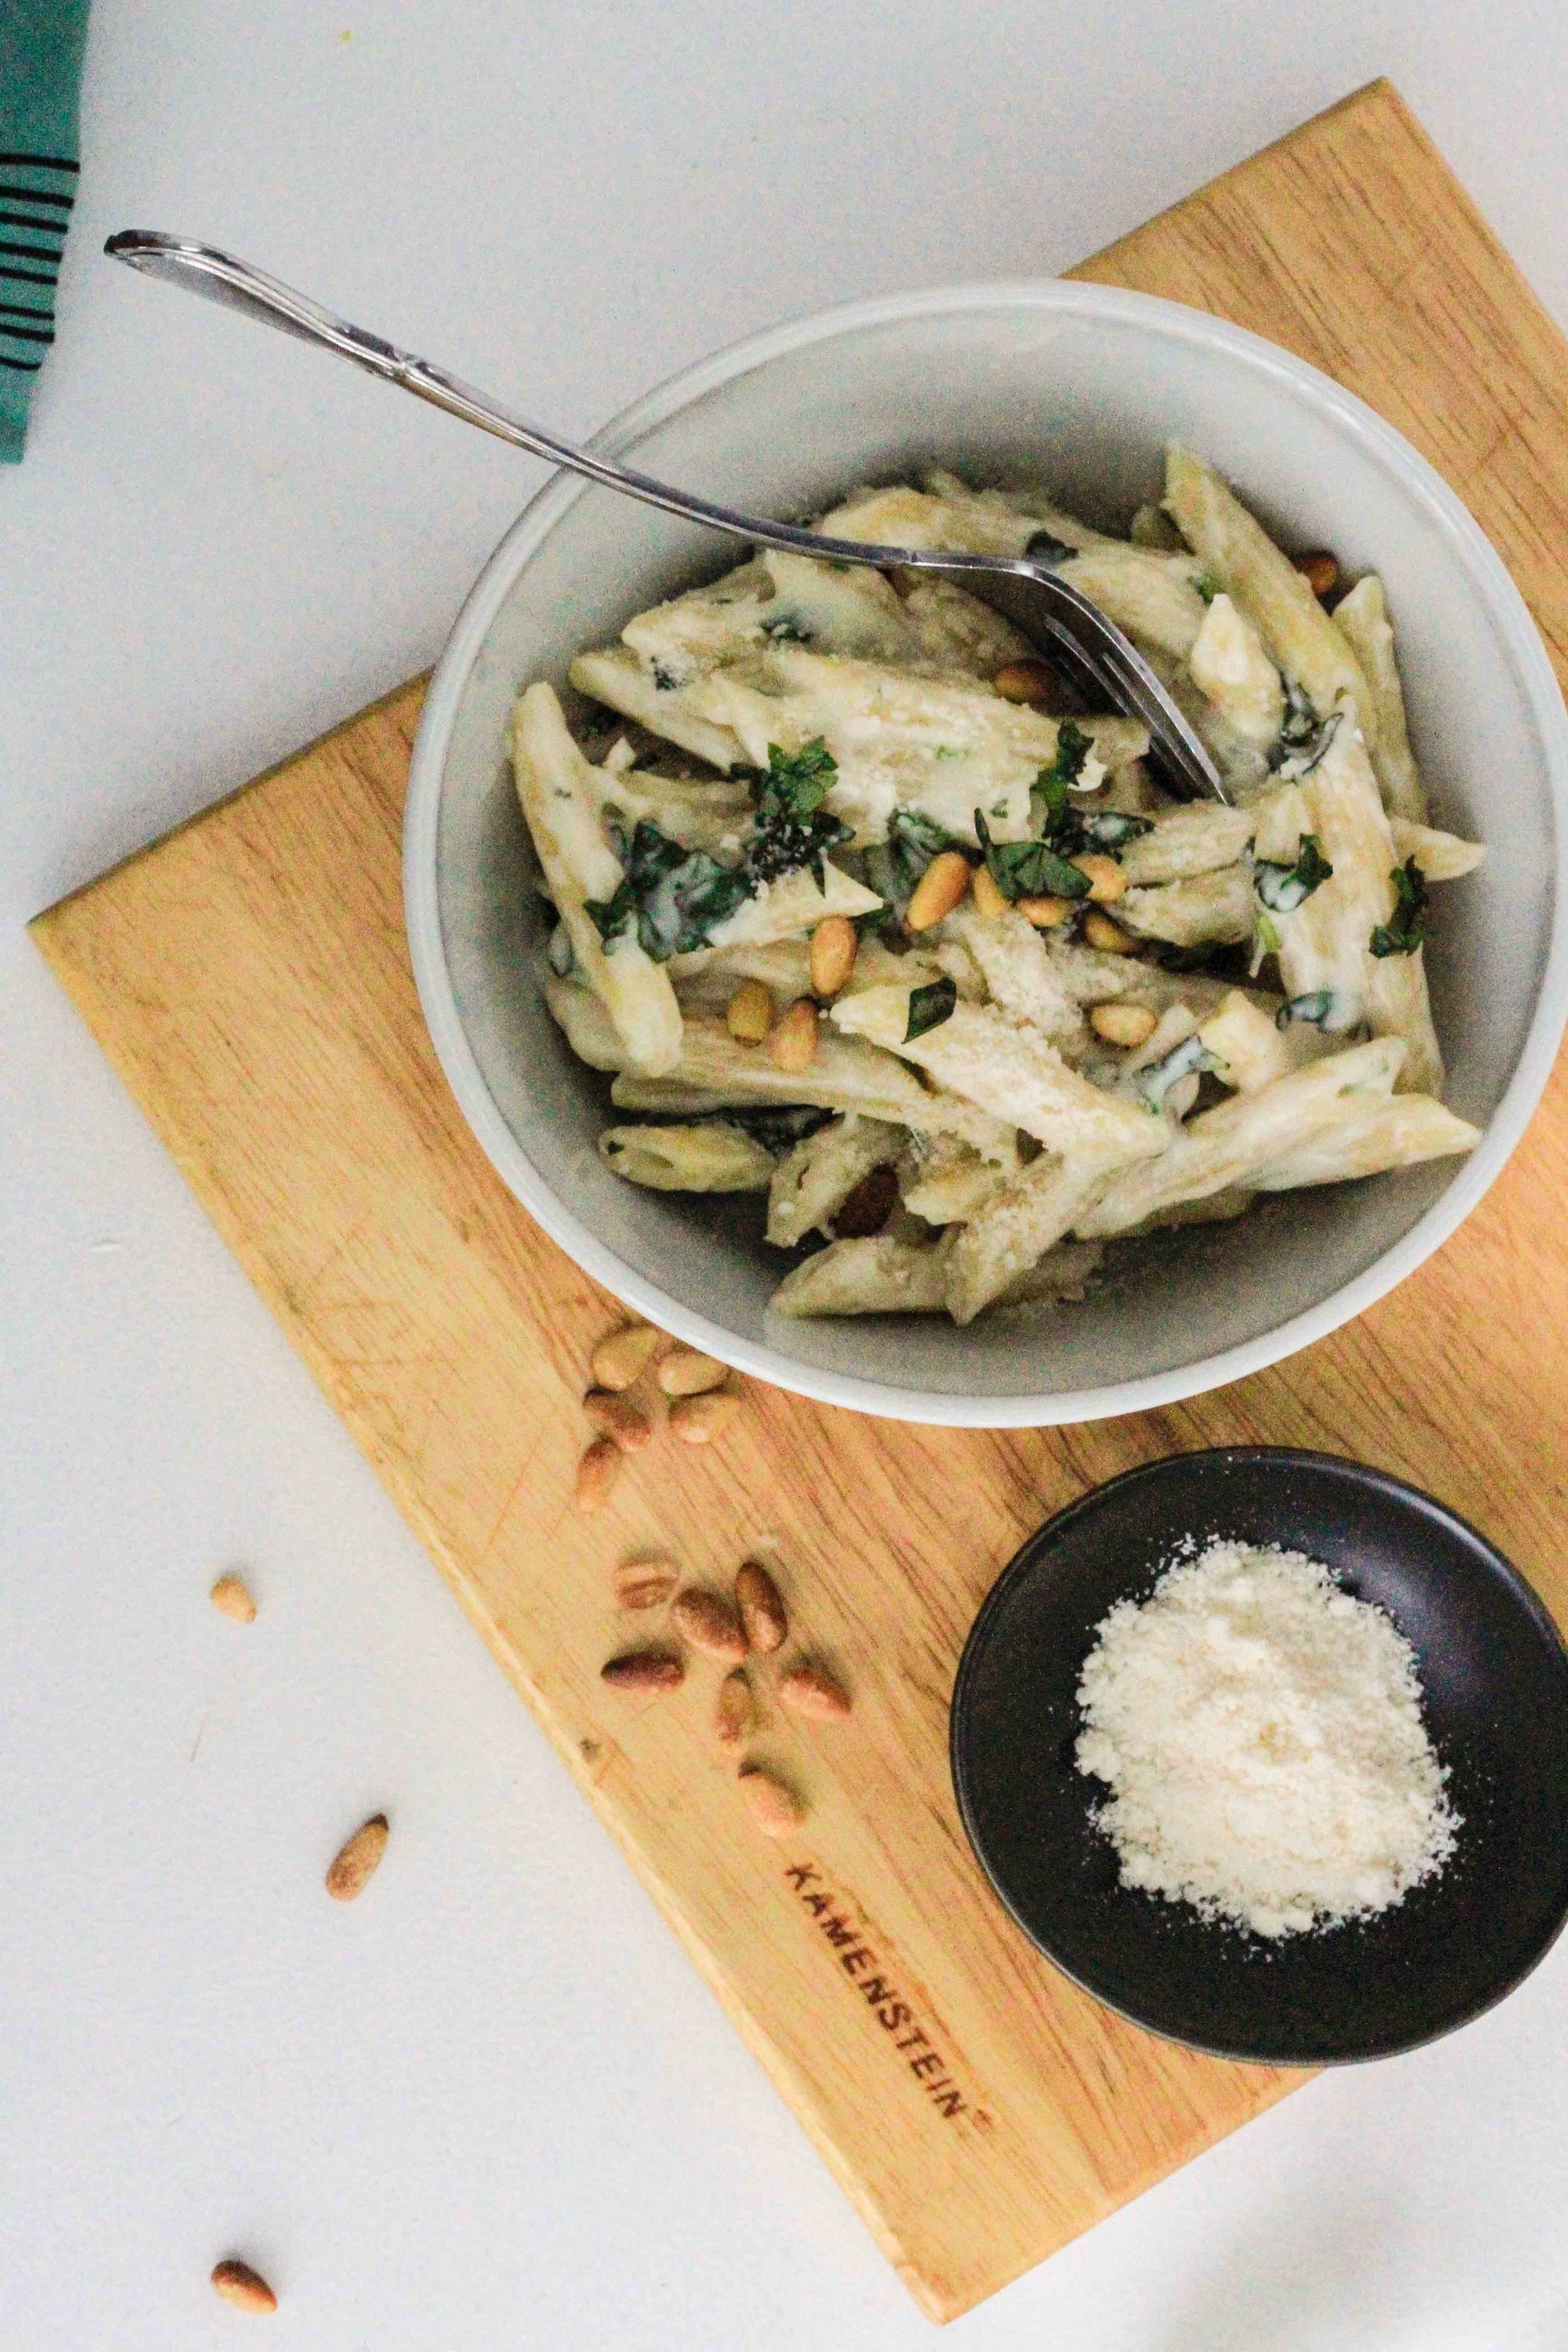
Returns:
<point x="40" y="73"/>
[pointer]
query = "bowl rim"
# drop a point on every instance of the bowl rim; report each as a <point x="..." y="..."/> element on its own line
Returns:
<point x="1027" y="1559"/>
<point x="1446" y="510"/>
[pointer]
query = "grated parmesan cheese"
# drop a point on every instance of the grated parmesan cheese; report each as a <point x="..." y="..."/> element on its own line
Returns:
<point x="1261" y="1734"/>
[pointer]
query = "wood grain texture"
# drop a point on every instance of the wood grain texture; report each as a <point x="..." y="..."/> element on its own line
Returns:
<point x="249" y="978"/>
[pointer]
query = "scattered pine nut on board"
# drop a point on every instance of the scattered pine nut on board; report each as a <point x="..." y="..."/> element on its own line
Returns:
<point x="232" y="1597"/>
<point x="237" y="2283"/>
<point x="249" y="978"/>
<point x="356" y="1864"/>
<point x="622" y="1356"/>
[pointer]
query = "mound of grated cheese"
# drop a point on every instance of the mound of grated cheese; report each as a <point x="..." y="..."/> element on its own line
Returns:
<point x="1261" y="1734"/>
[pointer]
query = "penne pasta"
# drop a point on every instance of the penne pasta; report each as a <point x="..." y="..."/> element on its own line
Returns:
<point x="812" y="1182"/>
<point x="579" y="867"/>
<point x="1263" y="582"/>
<point x="1362" y="617"/>
<point x="1015" y="1074"/>
<point x="1220" y="1149"/>
<point x="1204" y="909"/>
<point x="712" y="1158"/>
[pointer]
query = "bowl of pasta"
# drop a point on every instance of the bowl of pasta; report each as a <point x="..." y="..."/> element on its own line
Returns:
<point x="853" y="998"/>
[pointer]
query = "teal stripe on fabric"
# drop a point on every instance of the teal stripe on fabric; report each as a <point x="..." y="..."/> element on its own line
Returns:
<point x="41" y="77"/>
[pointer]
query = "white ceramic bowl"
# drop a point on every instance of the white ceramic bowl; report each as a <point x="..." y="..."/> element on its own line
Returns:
<point x="1079" y="386"/>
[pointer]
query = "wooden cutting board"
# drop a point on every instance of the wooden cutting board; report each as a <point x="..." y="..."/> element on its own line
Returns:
<point x="248" y="977"/>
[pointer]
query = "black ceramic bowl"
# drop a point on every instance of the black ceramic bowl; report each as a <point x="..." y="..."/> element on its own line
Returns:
<point x="1495" y="1674"/>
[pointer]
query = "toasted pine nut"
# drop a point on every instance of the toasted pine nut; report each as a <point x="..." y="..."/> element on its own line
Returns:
<point x="834" y="946"/>
<point x="698" y="1420"/>
<point x="245" y="2288"/>
<point x="1105" y="881"/>
<point x="1044" y="913"/>
<point x="1023" y="681"/>
<point x="939" y="890"/>
<point x="616" y="1417"/>
<point x="711" y="1624"/>
<point x="1320" y="571"/>
<point x="1122" y="1025"/>
<point x="596" y="1474"/>
<point x="793" y="1044"/>
<point x="356" y="1864"/>
<point x="622" y="1356"/>
<point x="735" y="1717"/>
<point x="644" y="1670"/>
<point x="645" y="1583"/>
<point x="775" y="1810"/>
<point x="811" y="1690"/>
<point x="1108" y="937"/>
<point x="231" y="1597"/>
<point x="990" y="899"/>
<point x="761" y="1608"/>
<point x="686" y="1372"/>
<point x="749" y="1013"/>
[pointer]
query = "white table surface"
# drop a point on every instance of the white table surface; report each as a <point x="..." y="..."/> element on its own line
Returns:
<point x="491" y="2105"/>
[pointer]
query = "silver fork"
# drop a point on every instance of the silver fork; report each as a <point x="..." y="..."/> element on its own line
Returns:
<point x="1026" y="589"/>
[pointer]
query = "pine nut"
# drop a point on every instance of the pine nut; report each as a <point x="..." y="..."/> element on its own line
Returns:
<point x="245" y="2288"/>
<point x="1044" y="913"/>
<point x="645" y="1583"/>
<point x="643" y="1670"/>
<point x="354" y="1868"/>
<point x="1320" y="571"/>
<point x="1023" y="681"/>
<point x="596" y="1474"/>
<point x="622" y="1356"/>
<point x="686" y="1372"/>
<point x="1108" y="937"/>
<point x="793" y="1044"/>
<point x="810" y="1690"/>
<point x="990" y="899"/>
<point x="1122" y="1025"/>
<point x="618" y="1418"/>
<point x="231" y="1597"/>
<point x="834" y="946"/>
<point x="698" y="1420"/>
<point x="710" y="1624"/>
<point x="749" y="1013"/>
<point x="939" y="890"/>
<point x="762" y="1608"/>
<point x="777" y="1810"/>
<point x="735" y="1716"/>
<point x="1105" y="881"/>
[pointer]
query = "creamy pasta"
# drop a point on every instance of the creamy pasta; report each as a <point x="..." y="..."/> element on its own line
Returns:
<point x="860" y="909"/>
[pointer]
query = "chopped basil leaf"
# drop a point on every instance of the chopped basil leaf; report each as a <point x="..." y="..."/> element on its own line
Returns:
<point x="1302" y="739"/>
<point x="1114" y="828"/>
<point x="929" y="1007"/>
<point x="787" y="630"/>
<point x="1208" y="586"/>
<point x="776" y="1128"/>
<point x="1156" y="1079"/>
<point x="1333" y="1010"/>
<point x="670" y="898"/>
<point x="1046" y="548"/>
<point x="664" y="679"/>
<point x="1286" y="887"/>
<point x="793" y="830"/>
<point x="1028" y="869"/>
<point x="1406" y="928"/>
